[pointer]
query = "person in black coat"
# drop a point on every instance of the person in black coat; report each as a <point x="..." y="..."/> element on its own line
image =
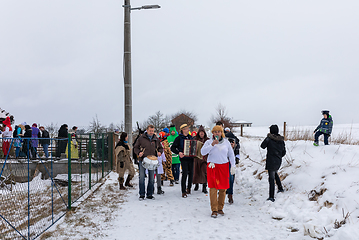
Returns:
<point x="230" y="135"/>
<point x="186" y="162"/>
<point x="26" y="147"/>
<point x="45" y="140"/>
<point x="62" y="143"/>
<point x="275" y="151"/>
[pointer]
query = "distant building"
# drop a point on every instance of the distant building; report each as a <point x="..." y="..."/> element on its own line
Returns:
<point x="241" y="123"/>
<point x="182" y="119"/>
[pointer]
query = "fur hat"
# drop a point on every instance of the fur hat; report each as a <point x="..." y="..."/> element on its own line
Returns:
<point x="183" y="126"/>
<point x="218" y="128"/>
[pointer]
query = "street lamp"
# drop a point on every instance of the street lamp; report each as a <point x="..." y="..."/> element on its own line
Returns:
<point x="127" y="64"/>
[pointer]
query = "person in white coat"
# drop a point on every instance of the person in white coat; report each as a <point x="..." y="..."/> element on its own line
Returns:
<point x="220" y="154"/>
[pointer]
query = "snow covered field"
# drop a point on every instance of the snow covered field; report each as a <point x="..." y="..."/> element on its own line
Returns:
<point x="321" y="191"/>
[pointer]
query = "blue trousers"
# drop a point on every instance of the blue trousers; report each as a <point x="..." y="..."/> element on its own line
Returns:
<point x="151" y="181"/>
<point x="317" y="135"/>
<point x="176" y="171"/>
<point x="46" y="150"/>
<point x="231" y="182"/>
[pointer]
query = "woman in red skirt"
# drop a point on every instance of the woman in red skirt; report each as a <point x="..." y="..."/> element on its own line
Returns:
<point x="220" y="153"/>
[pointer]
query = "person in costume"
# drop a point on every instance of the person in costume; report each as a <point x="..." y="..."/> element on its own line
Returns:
<point x="176" y="163"/>
<point x="220" y="154"/>
<point x="6" y="134"/>
<point x="124" y="162"/>
<point x="200" y="164"/>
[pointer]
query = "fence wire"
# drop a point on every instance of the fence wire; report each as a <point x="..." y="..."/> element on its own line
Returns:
<point x="35" y="191"/>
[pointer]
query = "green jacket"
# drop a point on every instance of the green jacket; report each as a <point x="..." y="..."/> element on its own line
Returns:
<point x="171" y="139"/>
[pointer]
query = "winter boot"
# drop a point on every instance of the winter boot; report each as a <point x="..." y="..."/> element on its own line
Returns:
<point x="127" y="183"/>
<point x="159" y="190"/>
<point x="204" y="188"/>
<point x="214" y="214"/>
<point x="188" y="191"/>
<point x="171" y="183"/>
<point x="196" y="187"/>
<point x="120" y="182"/>
<point x="230" y="198"/>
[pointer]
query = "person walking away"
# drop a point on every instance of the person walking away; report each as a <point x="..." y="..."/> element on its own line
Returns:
<point x="27" y="141"/>
<point x="175" y="158"/>
<point x="62" y="140"/>
<point x="275" y="152"/>
<point x="7" y="135"/>
<point x="229" y="191"/>
<point x="220" y="155"/>
<point x="160" y="173"/>
<point x="186" y="162"/>
<point x="325" y="127"/>
<point x="147" y="144"/>
<point x="124" y="162"/>
<point x="167" y="165"/>
<point x="200" y="164"/>
<point x="34" y="141"/>
<point x="229" y="134"/>
<point x="45" y="141"/>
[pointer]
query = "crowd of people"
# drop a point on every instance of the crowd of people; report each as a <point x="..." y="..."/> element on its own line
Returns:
<point x="214" y="167"/>
<point x="26" y="139"/>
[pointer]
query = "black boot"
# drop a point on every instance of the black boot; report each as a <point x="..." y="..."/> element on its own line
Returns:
<point x="204" y="188"/>
<point x="196" y="187"/>
<point x="120" y="182"/>
<point x="159" y="190"/>
<point x="127" y="183"/>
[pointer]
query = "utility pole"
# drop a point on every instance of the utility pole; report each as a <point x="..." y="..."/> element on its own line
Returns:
<point x="127" y="70"/>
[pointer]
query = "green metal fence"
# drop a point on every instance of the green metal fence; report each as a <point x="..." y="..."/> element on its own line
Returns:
<point x="35" y="192"/>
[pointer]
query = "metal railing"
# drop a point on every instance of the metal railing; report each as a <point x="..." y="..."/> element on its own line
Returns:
<point x="36" y="191"/>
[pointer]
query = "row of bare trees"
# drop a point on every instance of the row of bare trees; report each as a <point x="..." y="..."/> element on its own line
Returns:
<point x="159" y="120"/>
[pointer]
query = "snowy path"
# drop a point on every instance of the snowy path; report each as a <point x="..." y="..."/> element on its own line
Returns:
<point x="113" y="214"/>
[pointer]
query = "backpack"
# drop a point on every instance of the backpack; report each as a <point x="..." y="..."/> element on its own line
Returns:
<point x="14" y="133"/>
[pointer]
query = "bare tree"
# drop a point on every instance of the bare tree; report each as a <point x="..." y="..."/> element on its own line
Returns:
<point x="221" y="115"/>
<point x="52" y="129"/>
<point x="112" y="127"/>
<point x="96" y="127"/>
<point x="158" y="120"/>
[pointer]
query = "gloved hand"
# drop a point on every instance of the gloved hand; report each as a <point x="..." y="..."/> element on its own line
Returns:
<point x="211" y="165"/>
<point x="122" y="164"/>
<point x="233" y="170"/>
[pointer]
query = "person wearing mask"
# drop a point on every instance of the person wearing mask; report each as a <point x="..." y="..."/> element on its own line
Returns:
<point x="275" y="152"/>
<point x="220" y="155"/>
<point x="176" y="163"/>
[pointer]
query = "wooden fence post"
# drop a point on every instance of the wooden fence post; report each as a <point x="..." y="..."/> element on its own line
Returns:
<point x="241" y="130"/>
<point x="285" y="131"/>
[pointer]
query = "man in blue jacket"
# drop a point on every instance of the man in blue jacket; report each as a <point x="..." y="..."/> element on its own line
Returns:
<point x="325" y="127"/>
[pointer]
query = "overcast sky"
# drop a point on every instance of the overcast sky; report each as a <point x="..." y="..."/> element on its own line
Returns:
<point x="266" y="61"/>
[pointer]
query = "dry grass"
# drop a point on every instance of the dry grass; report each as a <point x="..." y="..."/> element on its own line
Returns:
<point x="307" y="135"/>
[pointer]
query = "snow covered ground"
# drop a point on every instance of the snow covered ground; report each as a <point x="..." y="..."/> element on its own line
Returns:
<point x="321" y="188"/>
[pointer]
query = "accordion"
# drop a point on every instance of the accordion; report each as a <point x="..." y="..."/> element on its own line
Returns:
<point x="192" y="148"/>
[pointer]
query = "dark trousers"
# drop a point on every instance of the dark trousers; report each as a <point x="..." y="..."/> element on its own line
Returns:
<point x="317" y="135"/>
<point x="273" y="175"/>
<point x="187" y="172"/>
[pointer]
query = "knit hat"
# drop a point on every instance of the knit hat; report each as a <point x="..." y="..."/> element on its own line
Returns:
<point x="227" y="129"/>
<point x="325" y="112"/>
<point x="166" y="130"/>
<point x="34" y="125"/>
<point x="183" y="126"/>
<point x="218" y="128"/>
<point x="274" y="129"/>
